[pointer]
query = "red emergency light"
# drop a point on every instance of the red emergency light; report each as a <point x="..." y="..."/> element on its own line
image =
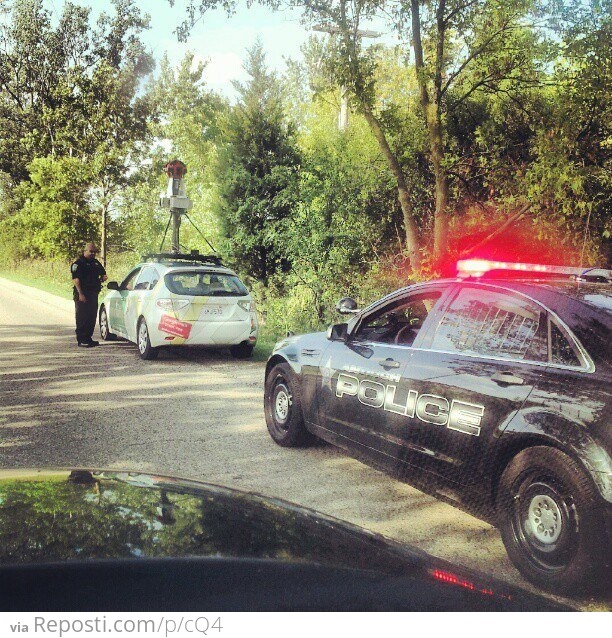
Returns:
<point x="480" y="267"/>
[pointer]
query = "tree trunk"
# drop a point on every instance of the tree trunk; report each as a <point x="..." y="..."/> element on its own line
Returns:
<point x="433" y="121"/>
<point x="103" y="228"/>
<point x="441" y="214"/>
<point x="350" y="37"/>
<point x="410" y="227"/>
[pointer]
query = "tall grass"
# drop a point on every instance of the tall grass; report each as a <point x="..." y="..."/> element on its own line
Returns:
<point x="50" y="276"/>
<point x="54" y="275"/>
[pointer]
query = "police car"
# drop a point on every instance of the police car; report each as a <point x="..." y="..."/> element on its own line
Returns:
<point x="492" y="389"/>
<point x="175" y="299"/>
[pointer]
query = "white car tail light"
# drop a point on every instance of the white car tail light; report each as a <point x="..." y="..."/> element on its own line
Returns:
<point x="247" y="306"/>
<point x="172" y="304"/>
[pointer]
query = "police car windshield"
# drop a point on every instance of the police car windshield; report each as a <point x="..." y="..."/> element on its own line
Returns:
<point x="204" y="284"/>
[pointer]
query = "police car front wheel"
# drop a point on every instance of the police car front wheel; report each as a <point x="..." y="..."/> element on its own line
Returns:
<point x="283" y="408"/>
<point x="145" y="349"/>
<point x="551" y="520"/>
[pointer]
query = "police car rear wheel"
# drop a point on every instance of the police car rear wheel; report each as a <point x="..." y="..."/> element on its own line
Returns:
<point x="105" y="332"/>
<point x="551" y="520"/>
<point x="283" y="409"/>
<point x="145" y="349"/>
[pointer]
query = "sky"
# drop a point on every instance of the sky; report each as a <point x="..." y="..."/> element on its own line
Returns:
<point x="220" y="40"/>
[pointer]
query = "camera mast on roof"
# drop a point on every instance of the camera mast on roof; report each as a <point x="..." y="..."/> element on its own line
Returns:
<point x="175" y="200"/>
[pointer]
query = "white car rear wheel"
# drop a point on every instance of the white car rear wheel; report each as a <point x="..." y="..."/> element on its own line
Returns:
<point x="143" y="342"/>
<point x="105" y="332"/>
<point x="243" y="350"/>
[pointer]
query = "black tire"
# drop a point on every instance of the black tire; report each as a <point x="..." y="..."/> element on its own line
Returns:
<point x="283" y="408"/>
<point x="143" y="342"/>
<point x="105" y="333"/>
<point x="243" y="350"/>
<point x="552" y="521"/>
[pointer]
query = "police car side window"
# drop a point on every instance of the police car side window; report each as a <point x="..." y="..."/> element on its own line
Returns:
<point x="562" y="352"/>
<point x="128" y="282"/>
<point x="488" y="323"/>
<point x="399" y="322"/>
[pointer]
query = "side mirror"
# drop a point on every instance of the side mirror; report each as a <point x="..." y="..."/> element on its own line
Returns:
<point x="347" y="306"/>
<point x="112" y="285"/>
<point x="338" y="332"/>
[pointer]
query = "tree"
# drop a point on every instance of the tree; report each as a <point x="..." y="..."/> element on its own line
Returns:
<point x="54" y="218"/>
<point x="460" y="48"/>
<point x="257" y="172"/>
<point x="66" y="91"/>
<point x="118" y="118"/>
<point x="344" y="232"/>
<point x="571" y="175"/>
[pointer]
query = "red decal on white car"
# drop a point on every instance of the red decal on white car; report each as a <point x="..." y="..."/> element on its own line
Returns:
<point x="175" y="327"/>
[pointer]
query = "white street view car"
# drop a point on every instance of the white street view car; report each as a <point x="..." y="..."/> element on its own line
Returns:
<point x="173" y="300"/>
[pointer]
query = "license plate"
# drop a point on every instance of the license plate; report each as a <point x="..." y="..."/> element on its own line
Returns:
<point x="211" y="311"/>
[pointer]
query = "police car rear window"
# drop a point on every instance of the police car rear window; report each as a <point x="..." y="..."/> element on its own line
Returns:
<point x="205" y="284"/>
<point x="483" y="322"/>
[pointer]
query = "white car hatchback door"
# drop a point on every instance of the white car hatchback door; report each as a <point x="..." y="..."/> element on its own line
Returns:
<point x="212" y="307"/>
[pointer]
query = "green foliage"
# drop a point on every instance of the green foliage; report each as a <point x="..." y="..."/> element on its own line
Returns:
<point x="140" y="226"/>
<point x="571" y="175"/>
<point x="70" y="94"/>
<point x="339" y="231"/>
<point x="54" y="220"/>
<point x="64" y="86"/>
<point x="257" y="171"/>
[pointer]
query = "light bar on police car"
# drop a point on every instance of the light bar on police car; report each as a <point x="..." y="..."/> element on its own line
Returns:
<point x="479" y="267"/>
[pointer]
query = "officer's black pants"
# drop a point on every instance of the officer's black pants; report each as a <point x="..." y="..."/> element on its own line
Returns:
<point x="86" y="313"/>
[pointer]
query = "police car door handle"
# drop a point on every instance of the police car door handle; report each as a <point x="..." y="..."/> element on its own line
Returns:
<point x="389" y="363"/>
<point x="507" y="378"/>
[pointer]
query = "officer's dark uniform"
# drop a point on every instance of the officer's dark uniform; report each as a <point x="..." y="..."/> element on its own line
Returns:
<point x="89" y="272"/>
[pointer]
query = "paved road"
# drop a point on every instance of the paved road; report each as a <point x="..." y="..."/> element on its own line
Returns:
<point x="195" y="414"/>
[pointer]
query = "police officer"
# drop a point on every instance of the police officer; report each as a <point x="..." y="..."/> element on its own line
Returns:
<point x="87" y="275"/>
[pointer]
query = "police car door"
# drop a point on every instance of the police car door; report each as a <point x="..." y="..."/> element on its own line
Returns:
<point x="478" y="367"/>
<point x="136" y="300"/>
<point x="118" y="303"/>
<point x="363" y="396"/>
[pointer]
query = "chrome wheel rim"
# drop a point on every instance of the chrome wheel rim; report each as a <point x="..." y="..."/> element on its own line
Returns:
<point x="143" y="337"/>
<point x="545" y="522"/>
<point x="103" y="324"/>
<point x="282" y="404"/>
<point x="544" y="518"/>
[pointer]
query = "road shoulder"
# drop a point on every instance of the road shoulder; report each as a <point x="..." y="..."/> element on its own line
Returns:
<point x="41" y="296"/>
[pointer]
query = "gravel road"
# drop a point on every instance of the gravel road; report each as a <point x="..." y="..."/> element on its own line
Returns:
<point x="196" y="414"/>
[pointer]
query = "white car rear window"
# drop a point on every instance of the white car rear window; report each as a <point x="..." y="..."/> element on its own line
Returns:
<point x="205" y="284"/>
